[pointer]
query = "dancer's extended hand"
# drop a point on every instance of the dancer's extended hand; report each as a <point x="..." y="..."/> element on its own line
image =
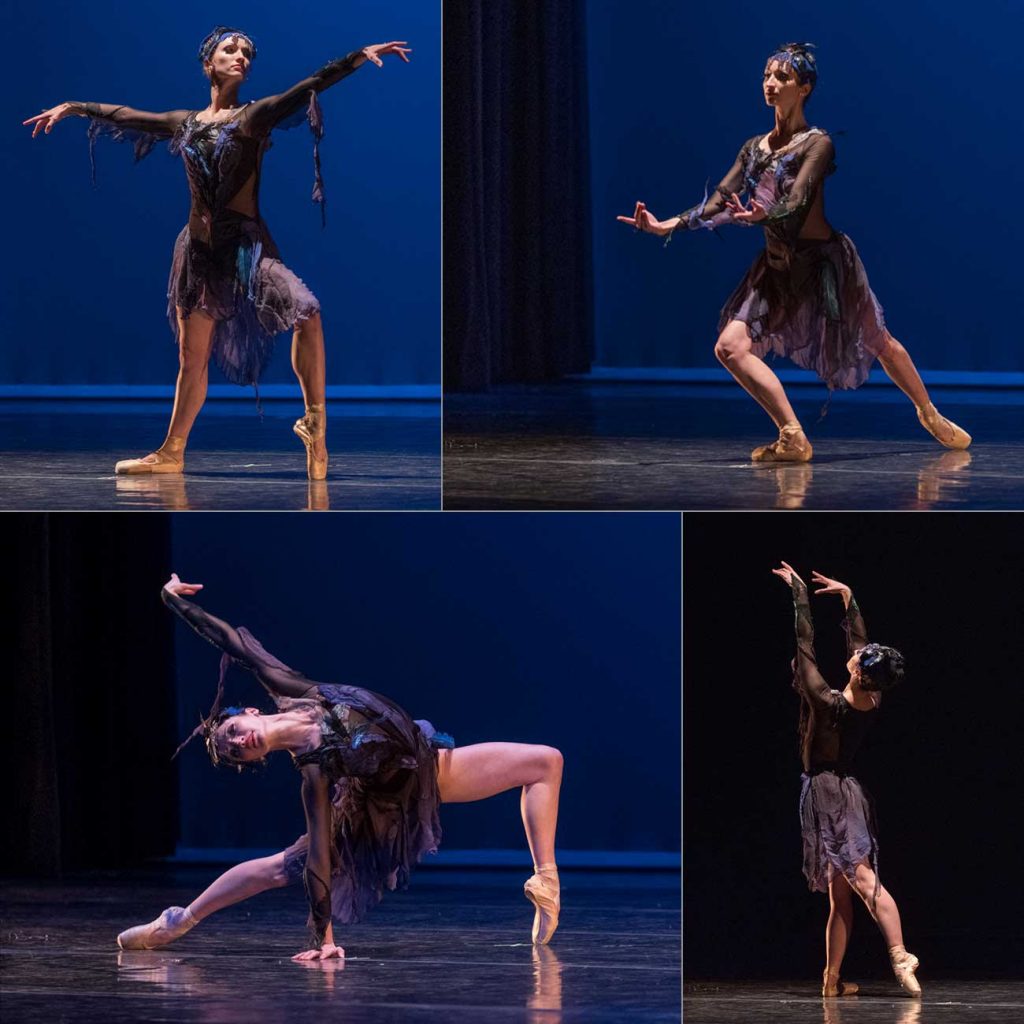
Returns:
<point x="746" y="215"/>
<point x="788" y="573"/>
<point x="48" y="118"/>
<point x="325" y="952"/>
<point x="175" y="586"/>
<point x="378" y="50"/>
<point x="827" y="586"/>
<point x="644" y="220"/>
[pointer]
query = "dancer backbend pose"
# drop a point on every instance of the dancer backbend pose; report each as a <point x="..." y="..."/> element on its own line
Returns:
<point x="372" y="779"/>
<point x="806" y="295"/>
<point x="229" y="293"/>
<point x="836" y="814"/>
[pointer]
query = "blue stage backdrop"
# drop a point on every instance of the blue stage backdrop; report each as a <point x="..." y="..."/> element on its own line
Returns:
<point x="86" y="284"/>
<point x="563" y="630"/>
<point x="926" y="95"/>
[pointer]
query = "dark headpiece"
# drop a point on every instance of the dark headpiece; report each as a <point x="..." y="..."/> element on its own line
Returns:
<point x="881" y="668"/>
<point x="207" y="726"/>
<point x="800" y="58"/>
<point x="213" y="40"/>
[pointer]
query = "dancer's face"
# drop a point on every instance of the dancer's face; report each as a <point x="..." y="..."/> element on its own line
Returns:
<point x="782" y="88"/>
<point x="853" y="665"/>
<point x="243" y="737"/>
<point x="231" y="60"/>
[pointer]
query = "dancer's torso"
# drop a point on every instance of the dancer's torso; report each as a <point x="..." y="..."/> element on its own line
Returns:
<point x="835" y="734"/>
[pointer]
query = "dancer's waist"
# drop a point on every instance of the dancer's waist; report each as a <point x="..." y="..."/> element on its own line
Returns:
<point x="829" y="766"/>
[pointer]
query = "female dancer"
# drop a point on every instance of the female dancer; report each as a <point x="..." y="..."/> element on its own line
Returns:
<point x="229" y="293"/>
<point x="372" y="779"/>
<point x="836" y="814"/>
<point x="806" y="295"/>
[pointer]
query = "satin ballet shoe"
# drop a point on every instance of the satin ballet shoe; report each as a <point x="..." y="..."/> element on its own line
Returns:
<point x="792" y="446"/>
<point x="544" y="895"/>
<point x="168" y="458"/>
<point x="170" y="925"/>
<point x="312" y="428"/>
<point x="904" y="965"/>
<point x="834" y="986"/>
<point x="939" y="427"/>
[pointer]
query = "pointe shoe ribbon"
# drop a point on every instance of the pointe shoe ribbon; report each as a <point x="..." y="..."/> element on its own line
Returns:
<point x="792" y="446"/>
<point x="170" y="925"/>
<point x="941" y="428"/>
<point x="904" y="965"/>
<point x="545" y="897"/>
<point x="310" y="429"/>
<point x="168" y="458"/>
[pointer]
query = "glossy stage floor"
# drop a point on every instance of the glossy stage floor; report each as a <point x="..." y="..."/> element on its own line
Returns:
<point x="585" y="445"/>
<point x="60" y="455"/>
<point x="454" y="946"/>
<point x="880" y="1002"/>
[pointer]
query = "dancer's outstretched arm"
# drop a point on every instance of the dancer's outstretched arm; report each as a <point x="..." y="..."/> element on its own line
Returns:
<point x="277" y="677"/>
<point x="264" y="114"/>
<point x="161" y="125"/>
<point x="856" y="630"/>
<point x="317" y="875"/>
<point x="806" y="677"/>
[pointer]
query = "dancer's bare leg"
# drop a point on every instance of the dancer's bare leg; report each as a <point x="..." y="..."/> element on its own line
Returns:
<point x="896" y="362"/>
<point x="484" y="769"/>
<point x="885" y="911"/>
<point x="195" y="343"/>
<point x="840" y="924"/>
<point x="235" y="884"/>
<point x="309" y="362"/>
<point x="753" y="374"/>
<point x="239" y="883"/>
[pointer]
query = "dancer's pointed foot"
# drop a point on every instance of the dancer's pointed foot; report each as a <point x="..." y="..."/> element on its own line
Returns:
<point x="312" y="429"/>
<point x="792" y="446"/>
<point x="170" y="925"/>
<point x="542" y="890"/>
<point x="833" y="985"/>
<point x="904" y="965"/>
<point x="168" y="458"/>
<point x="946" y="432"/>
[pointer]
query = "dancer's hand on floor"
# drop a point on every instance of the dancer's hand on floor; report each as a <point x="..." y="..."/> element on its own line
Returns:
<point x="325" y="952"/>
<point x="788" y="573"/>
<point x="644" y="220"/>
<point x="827" y="586"/>
<point x="175" y="586"/>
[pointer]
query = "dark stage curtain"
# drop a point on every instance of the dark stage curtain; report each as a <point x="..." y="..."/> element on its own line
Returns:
<point x="516" y="194"/>
<point x="89" y="692"/>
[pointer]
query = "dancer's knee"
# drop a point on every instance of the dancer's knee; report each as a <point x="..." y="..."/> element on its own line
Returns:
<point x="732" y="344"/>
<point x="552" y="760"/>
<point x="893" y="349"/>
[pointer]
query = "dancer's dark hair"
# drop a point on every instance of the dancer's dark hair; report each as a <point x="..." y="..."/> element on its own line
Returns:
<point x="800" y="58"/>
<point x="881" y="668"/>
<point x="213" y="40"/>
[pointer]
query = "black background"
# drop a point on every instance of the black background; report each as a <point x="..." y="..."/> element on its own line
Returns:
<point x="943" y="761"/>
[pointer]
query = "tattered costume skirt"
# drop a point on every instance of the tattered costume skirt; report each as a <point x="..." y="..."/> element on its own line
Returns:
<point x="381" y="828"/>
<point x="811" y="302"/>
<point x="239" y="281"/>
<point x="837" y="823"/>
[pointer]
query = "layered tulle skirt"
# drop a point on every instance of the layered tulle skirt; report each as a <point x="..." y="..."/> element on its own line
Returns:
<point x="837" y="824"/>
<point x="381" y="827"/>
<point x="811" y="301"/>
<point x="239" y="280"/>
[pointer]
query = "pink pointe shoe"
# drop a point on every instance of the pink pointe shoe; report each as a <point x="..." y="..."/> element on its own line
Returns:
<point x="833" y="985"/>
<point x="904" y="965"/>
<point x="542" y="890"/>
<point x="792" y="446"/>
<point x="170" y="925"/>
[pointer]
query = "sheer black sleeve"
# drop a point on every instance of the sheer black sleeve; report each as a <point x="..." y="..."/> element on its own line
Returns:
<point x="712" y="211"/>
<point x="317" y="875"/>
<point x="806" y="677"/>
<point x="126" y="124"/>
<point x="817" y="163"/>
<point x="277" y="677"/>
<point x="856" y="631"/>
<point x="271" y="111"/>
